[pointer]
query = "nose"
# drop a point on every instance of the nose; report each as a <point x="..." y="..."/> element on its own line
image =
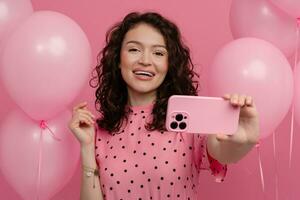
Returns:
<point x="145" y="59"/>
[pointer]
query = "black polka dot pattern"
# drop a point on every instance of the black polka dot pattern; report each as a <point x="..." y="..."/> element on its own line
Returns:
<point x="141" y="164"/>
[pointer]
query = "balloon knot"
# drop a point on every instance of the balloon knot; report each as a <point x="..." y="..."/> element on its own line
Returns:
<point x="257" y="144"/>
<point x="298" y="21"/>
<point x="43" y="124"/>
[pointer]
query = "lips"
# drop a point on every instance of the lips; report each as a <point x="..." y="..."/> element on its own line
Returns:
<point x="143" y="73"/>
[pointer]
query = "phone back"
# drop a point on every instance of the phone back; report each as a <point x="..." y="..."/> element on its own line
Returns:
<point x="198" y="114"/>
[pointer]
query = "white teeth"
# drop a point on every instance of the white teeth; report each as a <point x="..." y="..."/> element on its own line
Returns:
<point x="144" y="73"/>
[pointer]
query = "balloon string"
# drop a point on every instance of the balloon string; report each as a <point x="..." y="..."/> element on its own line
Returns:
<point x="39" y="166"/>
<point x="276" y="170"/>
<point x="261" y="169"/>
<point x="291" y="137"/>
<point x="292" y="117"/>
<point x="43" y="125"/>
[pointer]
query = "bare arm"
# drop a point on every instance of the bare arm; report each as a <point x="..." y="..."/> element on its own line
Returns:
<point x="82" y="126"/>
<point x="90" y="185"/>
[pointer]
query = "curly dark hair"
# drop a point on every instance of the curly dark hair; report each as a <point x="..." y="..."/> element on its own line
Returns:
<point x="111" y="93"/>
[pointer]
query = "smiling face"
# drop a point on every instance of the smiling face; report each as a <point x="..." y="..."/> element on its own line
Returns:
<point x="143" y="61"/>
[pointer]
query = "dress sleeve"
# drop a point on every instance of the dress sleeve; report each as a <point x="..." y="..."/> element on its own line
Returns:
<point x="207" y="162"/>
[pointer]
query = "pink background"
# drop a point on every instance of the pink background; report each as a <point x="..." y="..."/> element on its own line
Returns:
<point x="205" y="27"/>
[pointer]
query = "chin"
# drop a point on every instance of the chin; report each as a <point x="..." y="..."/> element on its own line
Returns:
<point x="144" y="90"/>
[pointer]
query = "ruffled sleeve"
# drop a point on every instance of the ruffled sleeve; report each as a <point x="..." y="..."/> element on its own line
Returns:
<point x="207" y="162"/>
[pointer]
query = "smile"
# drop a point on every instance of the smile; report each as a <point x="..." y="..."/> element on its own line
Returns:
<point x="143" y="73"/>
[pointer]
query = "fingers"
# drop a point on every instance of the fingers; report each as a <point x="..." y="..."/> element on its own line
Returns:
<point x="82" y="115"/>
<point x="87" y="113"/>
<point x="222" y="137"/>
<point x="80" y="106"/>
<point x="249" y="101"/>
<point x="79" y="119"/>
<point x="239" y="100"/>
<point x="84" y="118"/>
<point x="242" y="100"/>
<point x="226" y="96"/>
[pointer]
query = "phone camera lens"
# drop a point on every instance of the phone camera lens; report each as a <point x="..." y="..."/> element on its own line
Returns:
<point x="174" y="125"/>
<point x="179" y="117"/>
<point x="182" y="125"/>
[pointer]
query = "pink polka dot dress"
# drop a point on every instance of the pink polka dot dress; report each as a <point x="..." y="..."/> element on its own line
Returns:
<point x="137" y="164"/>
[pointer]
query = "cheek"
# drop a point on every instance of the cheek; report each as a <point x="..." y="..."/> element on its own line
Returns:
<point x="123" y="60"/>
<point x="161" y="64"/>
<point x="125" y="73"/>
<point x="127" y="59"/>
<point x="163" y="67"/>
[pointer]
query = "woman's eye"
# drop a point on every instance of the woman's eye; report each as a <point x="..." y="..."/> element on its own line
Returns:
<point x="133" y="50"/>
<point x="159" y="53"/>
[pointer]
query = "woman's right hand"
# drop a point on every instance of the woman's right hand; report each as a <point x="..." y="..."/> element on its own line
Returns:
<point x="82" y="125"/>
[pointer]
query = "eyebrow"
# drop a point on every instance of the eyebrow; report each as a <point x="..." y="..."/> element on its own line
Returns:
<point x="139" y="43"/>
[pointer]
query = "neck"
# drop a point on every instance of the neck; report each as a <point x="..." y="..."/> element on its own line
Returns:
<point x="141" y="99"/>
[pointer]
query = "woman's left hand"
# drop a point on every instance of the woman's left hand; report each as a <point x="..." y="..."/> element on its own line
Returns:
<point x="248" y="128"/>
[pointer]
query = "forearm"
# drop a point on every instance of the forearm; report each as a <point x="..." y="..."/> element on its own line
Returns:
<point x="88" y="191"/>
<point x="227" y="151"/>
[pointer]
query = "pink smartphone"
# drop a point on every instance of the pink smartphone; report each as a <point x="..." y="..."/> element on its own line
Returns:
<point x="199" y="114"/>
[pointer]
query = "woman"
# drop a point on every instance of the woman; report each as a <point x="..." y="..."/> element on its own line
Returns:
<point x="143" y="63"/>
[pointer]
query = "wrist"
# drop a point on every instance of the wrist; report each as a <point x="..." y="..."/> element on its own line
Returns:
<point x="88" y="157"/>
<point x="90" y="148"/>
<point x="91" y="172"/>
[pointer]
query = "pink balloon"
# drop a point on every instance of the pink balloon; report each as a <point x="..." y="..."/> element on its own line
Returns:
<point x="292" y="7"/>
<point x="12" y="13"/>
<point x="297" y="93"/>
<point x="260" y="19"/>
<point x="254" y="67"/>
<point x="45" y="64"/>
<point x="21" y="148"/>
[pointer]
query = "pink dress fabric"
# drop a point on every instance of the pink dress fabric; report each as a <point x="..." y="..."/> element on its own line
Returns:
<point x="137" y="164"/>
